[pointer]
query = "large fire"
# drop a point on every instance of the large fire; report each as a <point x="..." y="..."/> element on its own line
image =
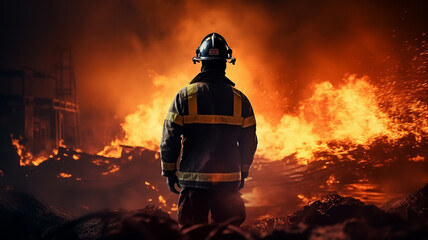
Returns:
<point x="350" y="114"/>
<point x="340" y="100"/>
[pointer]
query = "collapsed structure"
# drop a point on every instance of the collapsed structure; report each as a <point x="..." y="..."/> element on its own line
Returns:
<point x="40" y="108"/>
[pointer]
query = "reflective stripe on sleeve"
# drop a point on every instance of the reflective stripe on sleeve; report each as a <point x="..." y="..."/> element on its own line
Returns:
<point x="166" y="166"/>
<point x="213" y="119"/>
<point x="192" y="100"/>
<point x="209" y="177"/>
<point x="249" y="121"/>
<point x="245" y="168"/>
<point x="176" y="118"/>
<point x="237" y="103"/>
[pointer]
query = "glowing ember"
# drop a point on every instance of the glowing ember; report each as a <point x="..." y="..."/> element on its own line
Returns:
<point x="417" y="159"/>
<point x="305" y="199"/>
<point x="64" y="175"/>
<point x="151" y="186"/>
<point x="111" y="169"/>
<point x="162" y="200"/>
<point x="332" y="180"/>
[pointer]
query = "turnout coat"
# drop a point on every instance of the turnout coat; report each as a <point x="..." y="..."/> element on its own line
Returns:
<point x="210" y="129"/>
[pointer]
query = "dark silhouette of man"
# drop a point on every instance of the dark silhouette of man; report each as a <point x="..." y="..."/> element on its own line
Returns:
<point x="212" y="125"/>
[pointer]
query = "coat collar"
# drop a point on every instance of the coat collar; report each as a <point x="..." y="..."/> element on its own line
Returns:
<point x="212" y="76"/>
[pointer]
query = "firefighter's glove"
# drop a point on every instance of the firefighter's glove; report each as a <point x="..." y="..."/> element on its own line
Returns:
<point x="171" y="181"/>
<point x="242" y="183"/>
<point x="244" y="175"/>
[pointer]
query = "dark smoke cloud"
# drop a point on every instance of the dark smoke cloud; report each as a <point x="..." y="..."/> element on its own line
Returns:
<point x="287" y="45"/>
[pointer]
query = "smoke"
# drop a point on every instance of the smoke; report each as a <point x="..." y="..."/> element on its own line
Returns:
<point x="282" y="47"/>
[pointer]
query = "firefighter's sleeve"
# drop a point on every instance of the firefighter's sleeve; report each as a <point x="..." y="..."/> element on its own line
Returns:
<point x="247" y="138"/>
<point x="170" y="145"/>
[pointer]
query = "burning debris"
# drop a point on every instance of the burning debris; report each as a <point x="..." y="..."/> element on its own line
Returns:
<point x="359" y="136"/>
<point x="95" y="182"/>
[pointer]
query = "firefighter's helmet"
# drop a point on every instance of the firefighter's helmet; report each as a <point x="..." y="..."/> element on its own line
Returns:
<point x="214" y="47"/>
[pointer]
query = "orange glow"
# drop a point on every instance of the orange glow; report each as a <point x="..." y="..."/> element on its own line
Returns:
<point x="306" y="200"/>
<point x="349" y="113"/>
<point x="144" y="127"/>
<point x="162" y="200"/>
<point x="332" y="180"/>
<point x="111" y="169"/>
<point x="151" y="186"/>
<point x="26" y="158"/>
<point x="262" y="217"/>
<point x="417" y="159"/>
<point x="61" y="143"/>
<point x="64" y="175"/>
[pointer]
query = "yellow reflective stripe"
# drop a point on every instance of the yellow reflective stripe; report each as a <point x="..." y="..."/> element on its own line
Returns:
<point x="245" y="168"/>
<point x="191" y="98"/>
<point x="249" y="121"/>
<point x="173" y="117"/>
<point x="237" y="103"/>
<point x="209" y="177"/>
<point x="166" y="166"/>
<point x="213" y="119"/>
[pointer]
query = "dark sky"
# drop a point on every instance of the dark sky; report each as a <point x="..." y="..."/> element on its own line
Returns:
<point x="285" y="45"/>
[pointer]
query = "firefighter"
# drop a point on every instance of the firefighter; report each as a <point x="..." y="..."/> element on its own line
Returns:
<point x="211" y="127"/>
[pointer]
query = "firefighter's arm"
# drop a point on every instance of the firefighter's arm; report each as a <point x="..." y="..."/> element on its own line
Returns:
<point x="247" y="138"/>
<point x="170" y="145"/>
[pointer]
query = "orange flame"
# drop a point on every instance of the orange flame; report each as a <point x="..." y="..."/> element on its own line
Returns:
<point x="64" y="175"/>
<point x="111" y="169"/>
<point x="26" y="158"/>
<point x="144" y="127"/>
<point x="349" y="113"/>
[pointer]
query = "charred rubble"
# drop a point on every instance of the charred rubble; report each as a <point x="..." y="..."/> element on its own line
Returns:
<point x="337" y="217"/>
<point x="331" y="217"/>
<point x="413" y="207"/>
<point x="24" y="217"/>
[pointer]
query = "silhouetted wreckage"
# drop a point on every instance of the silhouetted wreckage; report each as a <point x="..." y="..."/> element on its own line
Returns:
<point x="337" y="217"/>
<point x="24" y="217"/>
<point x="331" y="217"/>
<point x="413" y="207"/>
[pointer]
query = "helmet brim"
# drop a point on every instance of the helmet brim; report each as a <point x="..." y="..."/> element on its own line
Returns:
<point x="197" y="59"/>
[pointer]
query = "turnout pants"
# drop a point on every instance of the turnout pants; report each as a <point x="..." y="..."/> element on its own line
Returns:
<point x="225" y="205"/>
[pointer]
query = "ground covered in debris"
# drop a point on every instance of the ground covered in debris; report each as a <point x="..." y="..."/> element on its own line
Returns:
<point x="331" y="217"/>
